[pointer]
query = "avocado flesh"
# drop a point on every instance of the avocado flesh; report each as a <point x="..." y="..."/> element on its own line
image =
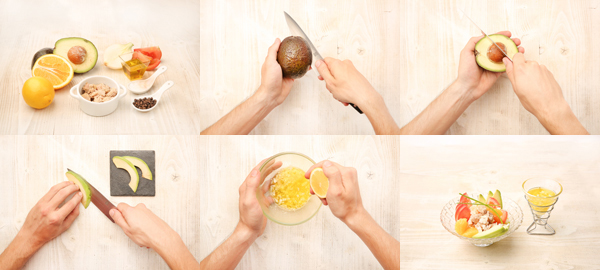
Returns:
<point x="495" y="231"/>
<point x="294" y="57"/>
<point x="482" y="47"/>
<point x="498" y="198"/>
<point x="83" y="187"/>
<point x="124" y="164"/>
<point x="63" y="46"/>
<point x="140" y="163"/>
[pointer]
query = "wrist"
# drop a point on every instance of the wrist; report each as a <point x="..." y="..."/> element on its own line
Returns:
<point x="464" y="92"/>
<point x="356" y="220"/>
<point x="245" y="234"/>
<point x="263" y="99"/>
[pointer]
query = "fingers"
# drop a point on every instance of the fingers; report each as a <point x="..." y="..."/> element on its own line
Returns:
<point x="124" y="208"/>
<point x="54" y="189"/>
<point x="71" y="217"/>
<point x="518" y="59"/>
<point x="333" y="173"/>
<point x="272" y="53"/>
<point x="62" y="194"/>
<point x="252" y="183"/>
<point x="505" y="33"/>
<point x="517" y="41"/>
<point x="323" y="69"/>
<point x="117" y="216"/>
<point x="509" y="69"/>
<point x="68" y="207"/>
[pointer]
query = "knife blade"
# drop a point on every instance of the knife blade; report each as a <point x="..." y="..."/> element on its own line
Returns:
<point x="100" y="201"/>
<point x="486" y="35"/>
<point x="297" y="31"/>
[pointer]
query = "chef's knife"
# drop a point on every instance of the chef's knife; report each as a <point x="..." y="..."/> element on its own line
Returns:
<point x="100" y="201"/>
<point x="297" y="31"/>
<point x="486" y="35"/>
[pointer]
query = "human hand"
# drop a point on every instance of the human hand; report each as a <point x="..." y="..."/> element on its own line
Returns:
<point x="343" y="195"/>
<point x="471" y="76"/>
<point x="345" y="82"/>
<point x="142" y="226"/>
<point x="251" y="216"/>
<point x="46" y="220"/>
<point x="273" y="87"/>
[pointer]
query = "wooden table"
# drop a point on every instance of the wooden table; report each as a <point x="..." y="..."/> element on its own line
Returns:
<point x="323" y="242"/>
<point x="235" y="36"/>
<point x="26" y="27"/>
<point x="433" y="170"/>
<point x="561" y="34"/>
<point x="197" y="180"/>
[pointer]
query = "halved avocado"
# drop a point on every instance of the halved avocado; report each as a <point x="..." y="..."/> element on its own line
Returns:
<point x="294" y="57"/>
<point x="123" y="163"/>
<point x="489" y="57"/>
<point x="140" y="163"/>
<point x="81" y="53"/>
<point x="83" y="187"/>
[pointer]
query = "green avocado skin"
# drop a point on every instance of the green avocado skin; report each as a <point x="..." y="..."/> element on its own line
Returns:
<point x="294" y="57"/>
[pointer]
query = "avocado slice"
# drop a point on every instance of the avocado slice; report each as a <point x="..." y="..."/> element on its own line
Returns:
<point x="140" y="163"/>
<point x="123" y="163"/>
<point x="489" y="57"/>
<point x="294" y="57"/>
<point x="482" y="199"/>
<point x="83" y="187"/>
<point x="81" y="53"/>
<point x="495" y="231"/>
<point x="498" y="198"/>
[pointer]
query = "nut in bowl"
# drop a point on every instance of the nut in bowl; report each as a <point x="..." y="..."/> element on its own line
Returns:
<point x="284" y="194"/>
<point x="502" y="224"/>
<point x="98" y="95"/>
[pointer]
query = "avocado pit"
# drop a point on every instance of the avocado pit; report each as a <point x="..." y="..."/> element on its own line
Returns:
<point x="77" y="55"/>
<point x="494" y="54"/>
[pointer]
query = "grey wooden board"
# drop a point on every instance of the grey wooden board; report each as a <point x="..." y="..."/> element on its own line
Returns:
<point x="119" y="178"/>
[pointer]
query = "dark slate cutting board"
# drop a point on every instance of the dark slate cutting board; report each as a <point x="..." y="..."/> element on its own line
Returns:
<point x="119" y="178"/>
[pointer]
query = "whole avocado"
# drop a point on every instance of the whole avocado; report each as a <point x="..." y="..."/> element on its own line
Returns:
<point x="294" y="57"/>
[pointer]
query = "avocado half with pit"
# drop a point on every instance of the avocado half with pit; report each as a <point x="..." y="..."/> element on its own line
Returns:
<point x="489" y="57"/>
<point x="294" y="57"/>
<point x="81" y="53"/>
<point x="83" y="187"/>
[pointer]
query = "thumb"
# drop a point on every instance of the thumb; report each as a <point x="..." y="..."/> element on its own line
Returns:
<point x="510" y="69"/>
<point x="272" y="54"/>
<point x="335" y="178"/>
<point x="324" y="70"/>
<point x="119" y="219"/>
<point x="252" y="183"/>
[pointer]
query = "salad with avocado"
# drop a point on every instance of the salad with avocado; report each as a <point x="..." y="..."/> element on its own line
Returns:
<point x="481" y="217"/>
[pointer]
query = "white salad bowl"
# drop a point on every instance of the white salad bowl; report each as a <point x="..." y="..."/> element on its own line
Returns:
<point x="515" y="218"/>
<point x="94" y="108"/>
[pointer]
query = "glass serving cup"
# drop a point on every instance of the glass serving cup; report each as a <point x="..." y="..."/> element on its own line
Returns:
<point x="133" y="71"/>
<point x="515" y="218"/>
<point x="270" y="209"/>
<point x="541" y="207"/>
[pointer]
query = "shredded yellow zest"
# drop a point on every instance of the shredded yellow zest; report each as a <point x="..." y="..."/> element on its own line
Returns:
<point x="289" y="189"/>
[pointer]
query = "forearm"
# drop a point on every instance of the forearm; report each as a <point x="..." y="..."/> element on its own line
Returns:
<point x="175" y="253"/>
<point x="18" y="252"/>
<point x="378" y="114"/>
<point x="230" y="253"/>
<point x="437" y="118"/>
<point x="562" y="121"/>
<point x="384" y="247"/>
<point x="244" y="118"/>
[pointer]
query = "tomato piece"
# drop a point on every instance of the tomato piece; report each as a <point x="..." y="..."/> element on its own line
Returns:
<point x="493" y="202"/>
<point x="464" y="199"/>
<point x="141" y="57"/>
<point x="153" y="64"/>
<point x="153" y="52"/>
<point x="462" y="211"/>
<point x="504" y="216"/>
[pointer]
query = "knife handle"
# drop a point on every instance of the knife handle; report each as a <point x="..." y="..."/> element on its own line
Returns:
<point x="356" y="108"/>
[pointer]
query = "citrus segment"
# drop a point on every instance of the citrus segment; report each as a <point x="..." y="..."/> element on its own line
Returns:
<point x="319" y="182"/>
<point x="461" y="226"/>
<point x="55" y="69"/>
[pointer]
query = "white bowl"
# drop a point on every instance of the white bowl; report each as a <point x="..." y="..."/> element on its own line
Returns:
<point x="94" y="108"/>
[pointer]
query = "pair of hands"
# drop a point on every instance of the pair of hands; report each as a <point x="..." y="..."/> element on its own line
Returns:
<point x="343" y="196"/>
<point x="342" y="79"/>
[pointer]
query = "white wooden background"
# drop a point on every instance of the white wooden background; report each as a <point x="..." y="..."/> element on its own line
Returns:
<point x="235" y="36"/>
<point x="30" y="165"/>
<point x="433" y="170"/>
<point x="27" y="26"/>
<point x="323" y="242"/>
<point x="561" y="34"/>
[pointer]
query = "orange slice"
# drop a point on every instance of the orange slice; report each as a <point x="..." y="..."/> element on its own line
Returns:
<point x="319" y="183"/>
<point x="55" y="69"/>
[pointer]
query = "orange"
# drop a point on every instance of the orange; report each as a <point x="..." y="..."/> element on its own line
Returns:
<point x="319" y="183"/>
<point x="470" y="232"/>
<point x="55" y="69"/>
<point x="461" y="226"/>
<point x="38" y="92"/>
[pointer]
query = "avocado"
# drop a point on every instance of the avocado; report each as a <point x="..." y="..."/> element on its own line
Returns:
<point x="123" y="163"/>
<point x="81" y="53"/>
<point x="83" y="187"/>
<point x="489" y="57"/>
<point x="498" y="198"/>
<point x="494" y="231"/>
<point x="294" y="57"/>
<point x="41" y="53"/>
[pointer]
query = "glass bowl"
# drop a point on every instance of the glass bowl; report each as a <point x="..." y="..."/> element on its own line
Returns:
<point x="270" y="209"/>
<point x="515" y="218"/>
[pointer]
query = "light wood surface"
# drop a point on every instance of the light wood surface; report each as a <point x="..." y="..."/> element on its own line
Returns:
<point x="27" y="26"/>
<point x="235" y="36"/>
<point x="433" y="170"/>
<point x="32" y="164"/>
<point x="561" y="34"/>
<point x="323" y="242"/>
